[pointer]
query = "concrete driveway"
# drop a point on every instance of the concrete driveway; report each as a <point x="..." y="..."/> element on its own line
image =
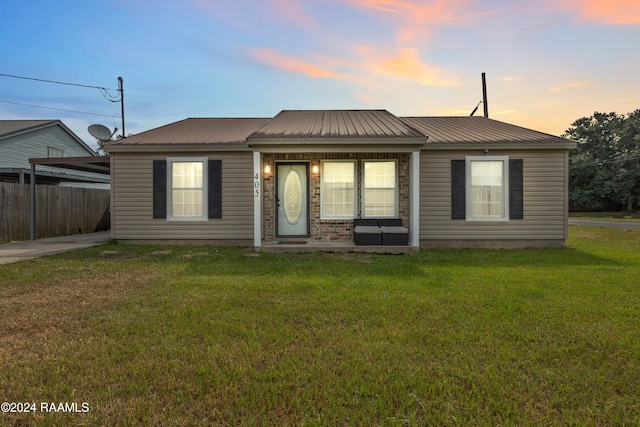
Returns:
<point x="610" y="224"/>
<point x="20" y="251"/>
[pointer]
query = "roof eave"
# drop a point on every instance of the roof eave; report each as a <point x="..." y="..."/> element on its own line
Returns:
<point x="148" y="148"/>
<point x="529" y="145"/>
<point x="329" y="141"/>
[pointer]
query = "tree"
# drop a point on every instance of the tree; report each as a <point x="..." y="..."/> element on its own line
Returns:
<point x="605" y="167"/>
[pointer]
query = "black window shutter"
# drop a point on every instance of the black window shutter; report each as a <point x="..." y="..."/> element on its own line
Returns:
<point x="215" y="188"/>
<point x="458" y="183"/>
<point x="159" y="189"/>
<point x="516" y="189"/>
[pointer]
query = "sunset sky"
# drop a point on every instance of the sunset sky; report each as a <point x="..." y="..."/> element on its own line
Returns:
<point x="548" y="62"/>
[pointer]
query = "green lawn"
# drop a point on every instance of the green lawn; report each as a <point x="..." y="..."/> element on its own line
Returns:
<point x="154" y="335"/>
<point x="607" y="216"/>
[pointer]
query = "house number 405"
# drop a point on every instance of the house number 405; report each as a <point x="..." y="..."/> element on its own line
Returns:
<point x="256" y="185"/>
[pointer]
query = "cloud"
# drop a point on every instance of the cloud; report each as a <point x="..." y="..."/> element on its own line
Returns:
<point x="614" y="12"/>
<point x="292" y="64"/>
<point x="570" y="85"/>
<point x="365" y="68"/>
<point x="541" y="26"/>
<point x="406" y="64"/>
<point x="365" y="99"/>
<point x="416" y="18"/>
<point x="292" y="11"/>
<point x="389" y="6"/>
<point x="249" y="13"/>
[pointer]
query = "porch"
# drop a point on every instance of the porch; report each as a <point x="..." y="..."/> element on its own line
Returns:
<point x="322" y="206"/>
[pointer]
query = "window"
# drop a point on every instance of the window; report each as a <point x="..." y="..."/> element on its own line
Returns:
<point x="338" y="190"/>
<point x="55" y="152"/>
<point x="187" y="188"/>
<point x="488" y="188"/>
<point x="380" y="189"/>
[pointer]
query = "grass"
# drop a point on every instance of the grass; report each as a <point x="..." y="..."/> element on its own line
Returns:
<point x="221" y="336"/>
<point x="607" y="216"/>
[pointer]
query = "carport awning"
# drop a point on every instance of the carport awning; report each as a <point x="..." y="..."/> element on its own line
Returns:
<point x="95" y="164"/>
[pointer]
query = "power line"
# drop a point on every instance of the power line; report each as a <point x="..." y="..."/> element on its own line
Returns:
<point x="103" y="90"/>
<point x="56" y="109"/>
<point x="52" y="81"/>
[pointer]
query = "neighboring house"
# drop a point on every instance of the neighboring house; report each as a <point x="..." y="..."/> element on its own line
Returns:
<point x="21" y="140"/>
<point x="306" y="175"/>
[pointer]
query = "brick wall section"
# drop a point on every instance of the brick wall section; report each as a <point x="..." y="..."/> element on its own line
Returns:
<point x="328" y="229"/>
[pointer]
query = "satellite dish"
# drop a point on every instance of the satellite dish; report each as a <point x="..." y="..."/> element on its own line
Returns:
<point x="100" y="132"/>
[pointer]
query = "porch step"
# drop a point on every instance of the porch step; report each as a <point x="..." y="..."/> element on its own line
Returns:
<point x="340" y="247"/>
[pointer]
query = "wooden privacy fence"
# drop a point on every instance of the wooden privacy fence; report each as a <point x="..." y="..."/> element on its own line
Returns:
<point x="60" y="211"/>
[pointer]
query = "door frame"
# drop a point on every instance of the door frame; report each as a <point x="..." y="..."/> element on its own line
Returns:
<point x="308" y="203"/>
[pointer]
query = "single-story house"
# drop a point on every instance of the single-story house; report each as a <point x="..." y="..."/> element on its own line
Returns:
<point x="306" y="176"/>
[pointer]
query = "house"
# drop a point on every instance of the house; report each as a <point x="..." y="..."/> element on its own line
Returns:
<point x="21" y="140"/>
<point x="304" y="176"/>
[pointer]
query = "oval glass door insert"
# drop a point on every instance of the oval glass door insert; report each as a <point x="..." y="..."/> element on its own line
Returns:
<point x="293" y="197"/>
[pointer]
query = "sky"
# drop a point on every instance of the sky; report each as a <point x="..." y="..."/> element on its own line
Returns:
<point x="547" y="62"/>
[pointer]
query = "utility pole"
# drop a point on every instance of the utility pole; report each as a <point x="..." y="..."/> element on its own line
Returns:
<point x="121" y="90"/>
<point x="484" y="96"/>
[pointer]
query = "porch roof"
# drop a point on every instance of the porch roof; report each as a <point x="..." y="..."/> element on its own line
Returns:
<point x="335" y="124"/>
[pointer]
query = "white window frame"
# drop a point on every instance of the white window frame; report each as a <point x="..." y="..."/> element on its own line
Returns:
<point x="323" y="215"/>
<point x="53" y="151"/>
<point x="204" y="189"/>
<point x="469" y="190"/>
<point x="396" y="190"/>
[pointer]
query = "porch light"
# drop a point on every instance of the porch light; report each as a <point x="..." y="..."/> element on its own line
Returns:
<point x="267" y="169"/>
<point x="315" y="169"/>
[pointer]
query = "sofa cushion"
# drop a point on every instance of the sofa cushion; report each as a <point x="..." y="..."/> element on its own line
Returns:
<point x="390" y="222"/>
<point x="365" y="222"/>
<point x="367" y="235"/>
<point x="368" y="229"/>
<point x="395" y="236"/>
<point x="394" y="230"/>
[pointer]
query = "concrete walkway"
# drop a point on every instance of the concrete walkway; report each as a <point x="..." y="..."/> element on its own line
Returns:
<point x="20" y="251"/>
<point x="611" y="224"/>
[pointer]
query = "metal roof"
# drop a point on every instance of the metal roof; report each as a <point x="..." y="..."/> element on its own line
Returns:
<point x="227" y="131"/>
<point x="374" y="126"/>
<point x="336" y="124"/>
<point x="460" y="130"/>
<point x="95" y="164"/>
<point x="9" y="127"/>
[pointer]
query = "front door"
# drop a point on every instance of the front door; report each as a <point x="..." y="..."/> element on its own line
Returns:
<point x="292" y="200"/>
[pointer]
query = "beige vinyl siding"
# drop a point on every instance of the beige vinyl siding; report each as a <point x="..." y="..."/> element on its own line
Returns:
<point x="545" y="199"/>
<point x="132" y="186"/>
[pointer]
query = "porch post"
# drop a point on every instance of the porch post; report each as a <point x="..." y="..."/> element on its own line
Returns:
<point x="257" y="200"/>
<point x="32" y="203"/>
<point x="414" y="204"/>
